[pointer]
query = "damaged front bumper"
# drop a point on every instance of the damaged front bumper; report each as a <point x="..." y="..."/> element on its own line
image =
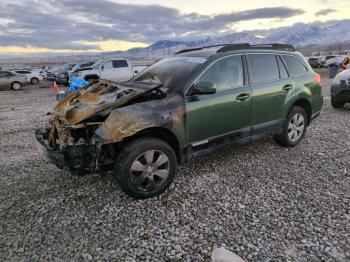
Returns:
<point x="72" y="158"/>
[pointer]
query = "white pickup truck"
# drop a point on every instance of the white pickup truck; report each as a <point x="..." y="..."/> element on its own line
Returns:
<point x="118" y="70"/>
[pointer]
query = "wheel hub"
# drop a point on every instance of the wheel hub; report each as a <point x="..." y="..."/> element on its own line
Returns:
<point x="150" y="170"/>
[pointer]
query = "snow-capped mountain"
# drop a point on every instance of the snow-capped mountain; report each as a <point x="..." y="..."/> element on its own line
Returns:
<point x="300" y="35"/>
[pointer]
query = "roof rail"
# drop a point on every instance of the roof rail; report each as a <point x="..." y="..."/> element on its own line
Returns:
<point x="276" y="46"/>
<point x="240" y="46"/>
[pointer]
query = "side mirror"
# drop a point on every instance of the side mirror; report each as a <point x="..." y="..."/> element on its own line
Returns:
<point x="204" y="88"/>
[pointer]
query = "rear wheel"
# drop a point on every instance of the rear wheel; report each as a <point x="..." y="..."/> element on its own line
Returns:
<point x="145" y="167"/>
<point x="16" y="86"/>
<point x="336" y="104"/>
<point x="34" y="81"/>
<point x="294" y="128"/>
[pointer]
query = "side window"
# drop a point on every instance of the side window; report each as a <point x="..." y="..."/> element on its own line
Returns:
<point x="225" y="73"/>
<point x="294" y="65"/>
<point x="3" y="74"/>
<point x="108" y="65"/>
<point x="263" y="67"/>
<point x="282" y="67"/>
<point x="120" y="63"/>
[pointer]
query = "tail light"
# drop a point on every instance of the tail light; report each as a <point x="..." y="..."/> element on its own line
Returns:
<point x="317" y="79"/>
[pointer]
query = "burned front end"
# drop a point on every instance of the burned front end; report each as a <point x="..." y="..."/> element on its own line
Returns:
<point x="68" y="148"/>
<point x="85" y="125"/>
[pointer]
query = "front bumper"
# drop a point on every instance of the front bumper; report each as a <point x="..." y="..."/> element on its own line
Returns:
<point x="72" y="158"/>
<point x="341" y="92"/>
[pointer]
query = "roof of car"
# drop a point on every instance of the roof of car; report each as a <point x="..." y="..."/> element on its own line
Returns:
<point x="208" y="51"/>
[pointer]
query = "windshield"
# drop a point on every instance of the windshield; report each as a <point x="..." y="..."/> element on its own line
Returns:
<point x="170" y="72"/>
<point x="97" y="64"/>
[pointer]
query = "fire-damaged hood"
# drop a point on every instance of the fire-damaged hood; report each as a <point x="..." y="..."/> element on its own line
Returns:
<point x="99" y="100"/>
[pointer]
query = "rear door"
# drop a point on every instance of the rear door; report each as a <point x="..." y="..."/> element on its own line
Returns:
<point x="270" y="90"/>
<point x="122" y="70"/>
<point x="223" y="114"/>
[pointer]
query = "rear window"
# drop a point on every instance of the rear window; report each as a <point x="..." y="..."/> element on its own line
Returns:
<point x="294" y="65"/>
<point x="120" y="63"/>
<point x="263" y="67"/>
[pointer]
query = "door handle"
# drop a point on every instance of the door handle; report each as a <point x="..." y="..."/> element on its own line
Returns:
<point x="287" y="87"/>
<point x="243" y="97"/>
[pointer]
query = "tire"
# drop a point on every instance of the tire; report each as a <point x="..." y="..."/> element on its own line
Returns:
<point x="137" y="172"/>
<point x="336" y="104"/>
<point x="16" y="86"/>
<point x="294" y="128"/>
<point x="34" y="81"/>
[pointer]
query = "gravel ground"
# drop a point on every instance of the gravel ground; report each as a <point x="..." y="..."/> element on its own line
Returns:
<point x="260" y="201"/>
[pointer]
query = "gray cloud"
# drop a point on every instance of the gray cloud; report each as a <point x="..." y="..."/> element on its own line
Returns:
<point x="66" y="24"/>
<point x="325" y="12"/>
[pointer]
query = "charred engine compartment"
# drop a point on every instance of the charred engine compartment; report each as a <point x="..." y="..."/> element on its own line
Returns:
<point x="70" y="138"/>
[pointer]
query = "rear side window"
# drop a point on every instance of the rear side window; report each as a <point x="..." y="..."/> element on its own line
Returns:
<point x="282" y="67"/>
<point x="23" y="72"/>
<point x="120" y="63"/>
<point x="263" y="67"/>
<point x="294" y="65"/>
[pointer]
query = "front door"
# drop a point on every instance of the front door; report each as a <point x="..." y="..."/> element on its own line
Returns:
<point x="107" y="71"/>
<point x="222" y="114"/>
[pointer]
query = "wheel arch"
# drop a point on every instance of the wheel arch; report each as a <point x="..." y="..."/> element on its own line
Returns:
<point x="306" y="105"/>
<point x="91" y="76"/>
<point x="162" y="134"/>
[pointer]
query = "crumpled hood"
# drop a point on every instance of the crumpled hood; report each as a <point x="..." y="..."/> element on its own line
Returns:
<point x="99" y="99"/>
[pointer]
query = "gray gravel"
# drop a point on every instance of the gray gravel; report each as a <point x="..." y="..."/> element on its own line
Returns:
<point x="260" y="201"/>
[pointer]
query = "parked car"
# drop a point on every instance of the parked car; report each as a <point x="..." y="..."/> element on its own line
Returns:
<point x="335" y="60"/>
<point x="78" y="67"/>
<point x="192" y="103"/>
<point x="118" y="69"/>
<point x="34" y="77"/>
<point x="10" y="80"/>
<point x="317" y="61"/>
<point x="61" y="74"/>
<point x="340" y="89"/>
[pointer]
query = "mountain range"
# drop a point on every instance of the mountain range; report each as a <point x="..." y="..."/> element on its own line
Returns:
<point x="300" y="35"/>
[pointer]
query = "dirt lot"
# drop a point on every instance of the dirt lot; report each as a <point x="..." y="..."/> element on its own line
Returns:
<point x="261" y="201"/>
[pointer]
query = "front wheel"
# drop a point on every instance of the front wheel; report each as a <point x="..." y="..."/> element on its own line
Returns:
<point x="294" y="128"/>
<point x="336" y="104"/>
<point x="145" y="167"/>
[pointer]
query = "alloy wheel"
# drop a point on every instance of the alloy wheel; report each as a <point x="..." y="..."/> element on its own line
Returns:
<point x="150" y="170"/>
<point x="296" y="127"/>
<point x="16" y="86"/>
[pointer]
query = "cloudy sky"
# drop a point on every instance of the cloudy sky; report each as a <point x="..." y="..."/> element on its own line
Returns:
<point x="106" y="25"/>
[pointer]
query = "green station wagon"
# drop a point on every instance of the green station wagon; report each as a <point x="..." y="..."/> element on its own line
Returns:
<point x="183" y="106"/>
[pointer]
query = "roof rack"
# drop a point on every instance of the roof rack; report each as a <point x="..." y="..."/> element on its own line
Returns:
<point x="276" y="46"/>
<point x="198" y="48"/>
<point x="240" y="46"/>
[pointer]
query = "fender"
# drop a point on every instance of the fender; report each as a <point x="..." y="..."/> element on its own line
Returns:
<point x="127" y="121"/>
